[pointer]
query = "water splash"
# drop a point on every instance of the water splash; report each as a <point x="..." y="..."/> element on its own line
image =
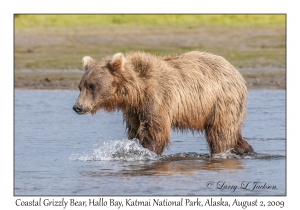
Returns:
<point x="120" y="150"/>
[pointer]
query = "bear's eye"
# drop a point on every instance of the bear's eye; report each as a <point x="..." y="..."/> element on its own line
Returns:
<point x="91" y="87"/>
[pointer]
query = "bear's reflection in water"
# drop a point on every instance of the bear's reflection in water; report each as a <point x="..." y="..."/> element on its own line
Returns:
<point x="184" y="166"/>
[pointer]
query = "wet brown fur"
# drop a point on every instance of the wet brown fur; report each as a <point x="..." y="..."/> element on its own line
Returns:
<point x="194" y="91"/>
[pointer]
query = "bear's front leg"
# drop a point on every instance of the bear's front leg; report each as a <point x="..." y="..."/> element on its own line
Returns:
<point x="154" y="134"/>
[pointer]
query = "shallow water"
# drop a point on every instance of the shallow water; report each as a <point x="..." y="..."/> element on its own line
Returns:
<point x="57" y="152"/>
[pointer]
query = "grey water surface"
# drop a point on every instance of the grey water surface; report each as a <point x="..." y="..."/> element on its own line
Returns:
<point x="57" y="152"/>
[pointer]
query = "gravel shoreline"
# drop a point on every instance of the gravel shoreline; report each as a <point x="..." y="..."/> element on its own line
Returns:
<point x="69" y="80"/>
<point x="259" y="53"/>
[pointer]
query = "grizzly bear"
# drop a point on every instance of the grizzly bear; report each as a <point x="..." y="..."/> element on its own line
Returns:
<point x="195" y="91"/>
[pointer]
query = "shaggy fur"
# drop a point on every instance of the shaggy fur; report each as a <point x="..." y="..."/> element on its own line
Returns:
<point x="194" y="91"/>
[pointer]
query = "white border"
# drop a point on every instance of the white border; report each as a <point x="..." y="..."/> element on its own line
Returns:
<point x="233" y="6"/>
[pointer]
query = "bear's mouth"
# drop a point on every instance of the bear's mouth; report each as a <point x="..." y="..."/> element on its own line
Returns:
<point x="83" y="112"/>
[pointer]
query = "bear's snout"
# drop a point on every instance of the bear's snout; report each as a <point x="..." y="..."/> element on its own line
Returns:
<point x="78" y="108"/>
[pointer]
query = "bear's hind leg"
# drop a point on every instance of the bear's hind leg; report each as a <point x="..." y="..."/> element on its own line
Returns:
<point x="216" y="140"/>
<point x="242" y="146"/>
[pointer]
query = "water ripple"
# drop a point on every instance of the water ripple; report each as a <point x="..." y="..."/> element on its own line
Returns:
<point x="132" y="150"/>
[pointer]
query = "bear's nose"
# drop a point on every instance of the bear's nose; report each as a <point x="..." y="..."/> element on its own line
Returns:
<point x="77" y="108"/>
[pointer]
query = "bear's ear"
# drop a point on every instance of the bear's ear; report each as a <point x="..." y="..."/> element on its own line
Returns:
<point x="117" y="62"/>
<point x="87" y="61"/>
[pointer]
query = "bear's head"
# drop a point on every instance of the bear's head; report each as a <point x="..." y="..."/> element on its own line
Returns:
<point x="99" y="85"/>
